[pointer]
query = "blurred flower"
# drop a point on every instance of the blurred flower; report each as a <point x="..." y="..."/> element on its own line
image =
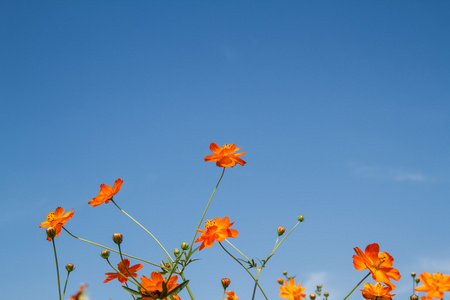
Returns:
<point x="379" y="264"/>
<point x="106" y="193"/>
<point x="154" y="285"/>
<point x="224" y="156"/>
<point x="231" y="296"/>
<point x="57" y="220"/>
<point x="376" y="292"/>
<point x="216" y="230"/>
<point x="290" y="291"/>
<point x="123" y="269"/>
<point x="434" y="284"/>
<point x="80" y="293"/>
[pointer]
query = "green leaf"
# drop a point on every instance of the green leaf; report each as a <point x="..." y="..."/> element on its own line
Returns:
<point x="132" y="292"/>
<point x="164" y="291"/>
<point x="178" y="289"/>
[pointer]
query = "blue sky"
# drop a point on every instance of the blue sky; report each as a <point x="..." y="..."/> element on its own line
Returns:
<point x="343" y="110"/>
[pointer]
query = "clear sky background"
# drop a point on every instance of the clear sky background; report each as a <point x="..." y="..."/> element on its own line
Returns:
<point x="343" y="108"/>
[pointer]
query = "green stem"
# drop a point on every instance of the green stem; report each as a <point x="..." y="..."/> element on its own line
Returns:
<point x="57" y="268"/>
<point x="206" y="208"/>
<point x="357" y="286"/>
<point x="256" y="281"/>
<point x="65" y="285"/>
<point x="162" y="247"/>
<point x="223" y="296"/>
<point x="187" y="286"/>
<point x="101" y="246"/>
<point x="276" y="246"/>
<point x="132" y="279"/>
<point x="117" y="271"/>
<point x="226" y="240"/>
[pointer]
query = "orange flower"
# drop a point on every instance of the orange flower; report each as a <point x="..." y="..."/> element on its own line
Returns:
<point x="379" y="264"/>
<point x="224" y="156"/>
<point x="57" y="220"/>
<point x="123" y="269"/>
<point x="154" y="285"/>
<point x="290" y="291"/>
<point x="79" y="294"/>
<point x="231" y="296"/>
<point x="216" y="230"/>
<point x="106" y="193"/>
<point x="376" y="292"/>
<point x="434" y="284"/>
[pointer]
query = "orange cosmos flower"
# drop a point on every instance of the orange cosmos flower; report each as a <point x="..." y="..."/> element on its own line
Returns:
<point x="379" y="264"/>
<point x="216" y="230"/>
<point x="123" y="269"/>
<point x="290" y="291"/>
<point x="434" y="284"/>
<point x="224" y="156"/>
<point x="57" y="220"/>
<point x="231" y="296"/>
<point x="376" y="292"/>
<point x="154" y="285"/>
<point x="106" y="193"/>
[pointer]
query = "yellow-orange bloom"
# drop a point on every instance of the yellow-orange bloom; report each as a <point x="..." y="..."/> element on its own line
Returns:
<point x="154" y="285"/>
<point x="291" y="291"/>
<point x="379" y="264"/>
<point x="434" y="284"/>
<point x="225" y="156"/>
<point x="123" y="269"/>
<point x="216" y="230"/>
<point x="79" y="294"/>
<point x="57" y="220"/>
<point x="106" y="193"/>
<point x="376" y="292"/>
<point x="231" y="296"/>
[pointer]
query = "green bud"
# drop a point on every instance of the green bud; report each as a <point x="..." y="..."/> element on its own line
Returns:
<point x="300" y="218"/>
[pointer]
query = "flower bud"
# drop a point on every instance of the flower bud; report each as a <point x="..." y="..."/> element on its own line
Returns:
<point x="319" y="287"/>
<point x="69" y="267"/>
<point x="312" y="296"/>
<point x="280" y="280"/>
<point x="281" y="230"/>
<point x="51" y="232"/>
<point x="413" y="274"/>
<point x="326" y="294"/>
<point x="225" y="282"/>
<point x="300" y="218"/>
<point x="176" y="251"/>
<point x="105" y="254"/>
<point x="414" y="297"/>
<point x="165" y="267"/>
<point x="117" y="238"/>
<point x="284" y="273"/>
<point x="417" y="280"/>
<point x="184" y="246"/>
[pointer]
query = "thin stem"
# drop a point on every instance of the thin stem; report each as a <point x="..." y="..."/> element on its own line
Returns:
<point x="276" y="246"/>
<point x="206" y="208"/>
<point x="162" y="247"/>
<point x="117" y="271"/>
<point x="187" y="286"/>
<point x="128" y="271"/>
<point x="126" y="284"/>
<point x="57" y="268"/>
<point x="226" y="240"/>
<point x="256" y="281"/>
<point x="65" y="285"/>
<point x="101" y="246"/>
<point x="357" y="286"/>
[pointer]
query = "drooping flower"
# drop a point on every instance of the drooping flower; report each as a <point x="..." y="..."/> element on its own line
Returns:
<point x="57" y="220"/>
<point x="291" y="291"/>
<point x="106" y="193"/>
<point x="434" y="284"/>
<point x="216" y="230"/>
<point x="154" y="286"/>
<point x="231" y="296"/>
<point x="376" y="292"/>
<point x="123" y="266"/>
<point x="225" y="156"/>
<point x="379" y="264"/>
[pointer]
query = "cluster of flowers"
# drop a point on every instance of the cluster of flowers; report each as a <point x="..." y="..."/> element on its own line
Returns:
<point x="163" y="284"/>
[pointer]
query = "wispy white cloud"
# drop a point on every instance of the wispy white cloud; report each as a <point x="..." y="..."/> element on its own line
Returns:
<point x="396" y="174"/>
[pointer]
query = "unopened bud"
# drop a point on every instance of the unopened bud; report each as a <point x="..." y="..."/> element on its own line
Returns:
<point x="312" y="296"/>
<point x="417" y="280"/>
<point x="413" y="274"/>
<point x="414" y="297"/>
<point x="319" y="287"/>
<point x="105" y="254"/>
<point x="117" y="238"/>
<point x="69" y="267"/>
<point x="51" y="232"/>
<point x="284" y="273"/>
<point x="225" y="282"/>
<point x="300" y="218"/>
<point x="184" y="246"/>
<point x="165" y="267"/>
<point x="326" y="294"/>
<point x="280" y="280"/>
<point x="176" y="251"/>
<point x="281" y="230"/>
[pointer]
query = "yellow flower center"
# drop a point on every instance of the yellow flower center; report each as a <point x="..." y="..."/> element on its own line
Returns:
<point x="210" y="223"/>
<point x="51" y="216"/>
<point x="226" y="146"/>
